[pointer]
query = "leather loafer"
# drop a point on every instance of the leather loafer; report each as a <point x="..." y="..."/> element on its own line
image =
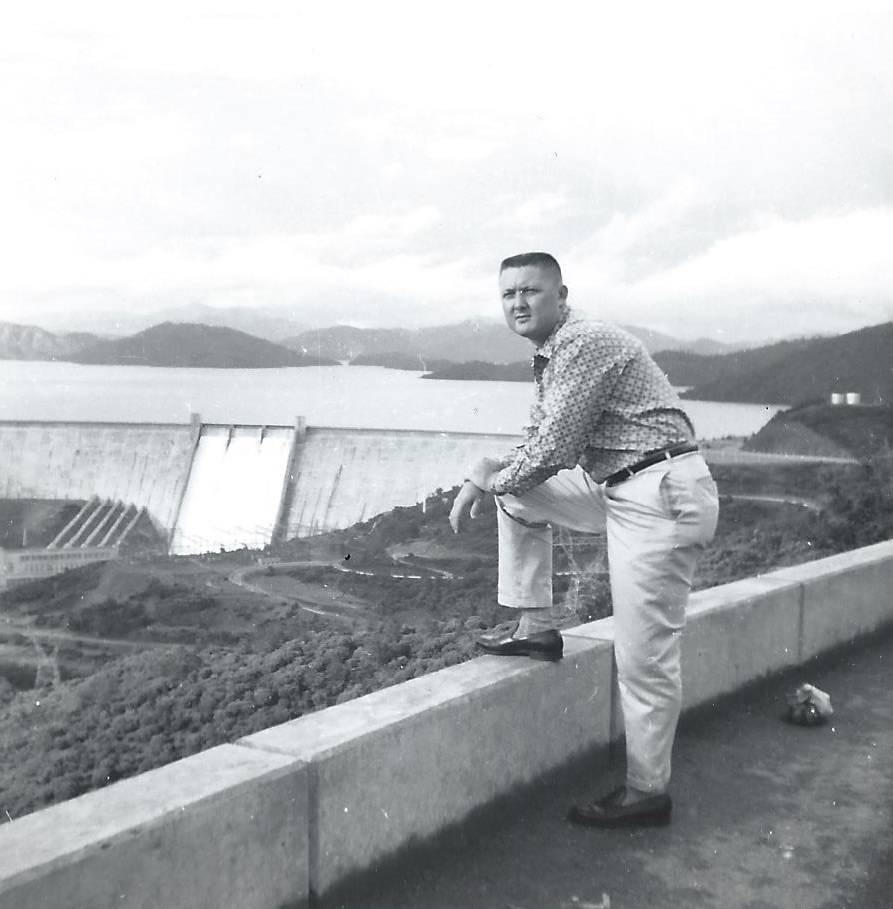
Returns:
<point x="543" y="645"/>
<point x="610" y="811"/>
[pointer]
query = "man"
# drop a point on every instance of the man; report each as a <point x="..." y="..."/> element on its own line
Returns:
<point x="608" y="446"/>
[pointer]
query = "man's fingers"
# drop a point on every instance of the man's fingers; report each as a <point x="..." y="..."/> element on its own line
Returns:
<point x="468" y="500"/>
<point x="456" y="513"/>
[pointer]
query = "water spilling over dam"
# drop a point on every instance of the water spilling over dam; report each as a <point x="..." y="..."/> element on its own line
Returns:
<point x="234" y="490"/>
<point x="208" y="486"/>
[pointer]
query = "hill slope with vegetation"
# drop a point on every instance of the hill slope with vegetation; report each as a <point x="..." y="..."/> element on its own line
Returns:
<point x="827" y="430"/>
<point x="860" y="361"/>
<point x="397" y="360"/>
<point x="477" y="370"/>
<point x="684" y="367"/>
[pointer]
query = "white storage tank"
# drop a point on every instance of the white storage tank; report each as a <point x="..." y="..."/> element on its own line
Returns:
<point x="853" y="397"/>
<point x="837" y="398"/>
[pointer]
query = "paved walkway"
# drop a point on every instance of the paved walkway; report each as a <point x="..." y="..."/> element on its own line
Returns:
<point x="766" y="815"/>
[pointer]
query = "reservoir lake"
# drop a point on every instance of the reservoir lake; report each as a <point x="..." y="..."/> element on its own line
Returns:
<point x="367" y="397"/>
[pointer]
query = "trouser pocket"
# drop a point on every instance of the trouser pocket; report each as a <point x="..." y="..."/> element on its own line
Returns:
<point x="689" y="494"/>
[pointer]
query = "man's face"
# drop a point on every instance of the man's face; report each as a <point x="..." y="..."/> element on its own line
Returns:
<point x="532" y="301"/>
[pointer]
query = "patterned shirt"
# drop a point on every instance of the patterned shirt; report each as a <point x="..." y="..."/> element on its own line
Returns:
<point x="601" y="402"/>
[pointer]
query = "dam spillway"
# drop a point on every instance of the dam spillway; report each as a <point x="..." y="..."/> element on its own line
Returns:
<point x="208" y="486"/>
<point x="234" y="490"/>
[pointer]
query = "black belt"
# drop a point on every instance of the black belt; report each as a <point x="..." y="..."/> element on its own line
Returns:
<point x="651" y="457"/>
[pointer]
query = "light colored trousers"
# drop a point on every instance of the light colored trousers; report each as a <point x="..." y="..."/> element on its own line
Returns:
<point x="657" y="523"/>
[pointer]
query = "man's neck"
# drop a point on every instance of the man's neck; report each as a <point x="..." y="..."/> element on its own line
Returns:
<point x="563" y="318"/>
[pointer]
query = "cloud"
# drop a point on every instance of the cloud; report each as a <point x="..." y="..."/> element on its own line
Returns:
<point x="697" y="168"/>
<point x="401" y="225"/>
<point x="829" y="272"/>
<point x="461" y="148"/>
<point x="831" y="256"/>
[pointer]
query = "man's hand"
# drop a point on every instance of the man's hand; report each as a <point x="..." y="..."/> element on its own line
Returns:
<point x="468" y="501"/>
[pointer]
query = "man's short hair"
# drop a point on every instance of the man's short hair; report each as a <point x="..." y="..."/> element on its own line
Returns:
<point x="541" y="259"/>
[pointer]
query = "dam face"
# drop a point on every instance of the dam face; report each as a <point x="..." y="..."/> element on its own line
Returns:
<point x="207" y="487"/>
<point x="144" y="465"/>
<point x="342" y="476"/>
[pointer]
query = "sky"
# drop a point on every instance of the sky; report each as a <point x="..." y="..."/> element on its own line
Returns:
<point x="718" y="170"/>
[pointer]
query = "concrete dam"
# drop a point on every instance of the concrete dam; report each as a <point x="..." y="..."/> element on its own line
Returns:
<point x="208" y="487"/>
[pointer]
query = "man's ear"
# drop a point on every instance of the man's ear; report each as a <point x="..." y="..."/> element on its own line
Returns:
<point x="562" y="292"/>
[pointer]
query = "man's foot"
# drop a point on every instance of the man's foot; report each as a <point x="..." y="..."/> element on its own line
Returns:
<point x="542" y="645"/>
<point x="620" y="809"/>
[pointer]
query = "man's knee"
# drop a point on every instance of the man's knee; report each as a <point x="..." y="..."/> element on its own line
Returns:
<point x="514" y="509"/>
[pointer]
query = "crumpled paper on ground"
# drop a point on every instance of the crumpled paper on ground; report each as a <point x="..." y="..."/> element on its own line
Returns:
<point x="809" y="706"/>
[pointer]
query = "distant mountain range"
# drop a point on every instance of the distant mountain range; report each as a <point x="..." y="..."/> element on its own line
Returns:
<point x="187" y="344"/>
<point x="269" y="323"/>
<point x="28" y="342"/>
<point x="787" y="372"/>
<point x="456" y="343"/>
<point x="484" y="341"/>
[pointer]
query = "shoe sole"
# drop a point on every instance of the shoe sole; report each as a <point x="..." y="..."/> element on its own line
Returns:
<point x="544" y="655"/>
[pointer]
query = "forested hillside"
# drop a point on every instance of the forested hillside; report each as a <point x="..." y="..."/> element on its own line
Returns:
<point x="477" y="370"/>
<point x="397" y="360"/>
<point x="860" y="361"/>
<point x="828" y="430"/>
<point x="686" y="368"/>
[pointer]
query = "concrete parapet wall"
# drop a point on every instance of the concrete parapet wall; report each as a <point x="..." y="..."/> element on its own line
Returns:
<point x="227" y="827"/>
<point x="843" y="596"/>
<point x="738" y="633"/>
<point x="292" y="810"/>
<point x="407" y="761"/>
